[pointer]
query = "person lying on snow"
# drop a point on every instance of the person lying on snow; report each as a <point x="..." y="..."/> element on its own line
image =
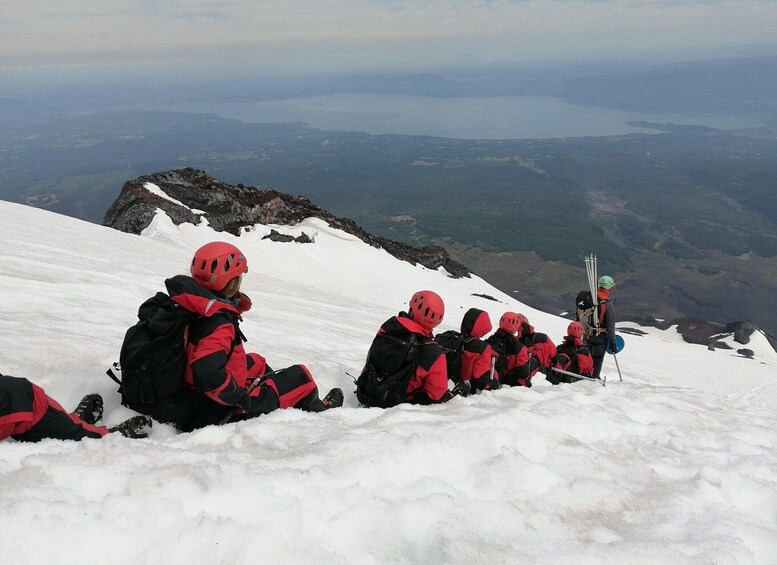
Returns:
<point x="27" y="413"/>
<point x="572" y="355"/>
<point x="219" y="372"/>
<point x="404" y="363"/>
<point x="514" y="364"/>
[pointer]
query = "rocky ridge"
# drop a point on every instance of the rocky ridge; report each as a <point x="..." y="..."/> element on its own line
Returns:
<point x="192" y="195"/>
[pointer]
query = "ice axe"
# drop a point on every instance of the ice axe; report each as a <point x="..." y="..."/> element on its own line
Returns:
<point x="571" y="374"/>
<point x="259" y="380"/>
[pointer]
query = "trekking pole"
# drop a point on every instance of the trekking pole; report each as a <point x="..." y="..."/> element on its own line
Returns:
<point x="592" y="272"/>
<point x="617" y="366"/>
<point x="571" y="374"/>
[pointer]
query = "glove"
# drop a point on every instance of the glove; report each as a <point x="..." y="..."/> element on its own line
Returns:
<point x="461" y="389"/>
<point x="612" y="347"/>
<point x="494" y="384"/>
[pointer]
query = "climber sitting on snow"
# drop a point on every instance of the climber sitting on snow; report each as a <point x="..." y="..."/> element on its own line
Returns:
<point x="540" y="345"/>
<point x="218" y="372"/>
<point x="476" y="352"/>
<point x="404" y="363"/>
<point x="572" y="356"/>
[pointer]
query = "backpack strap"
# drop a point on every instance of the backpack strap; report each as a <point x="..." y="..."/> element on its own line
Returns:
<point x="412" y="344"/>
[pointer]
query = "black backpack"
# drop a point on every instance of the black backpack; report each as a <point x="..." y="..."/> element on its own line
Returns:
<point x="500" y="348"/>
<point x="153" y="355"/>
<point x="387" y="387"/>
<point x="584" y="312"/>
<point x="453" y="344"/>
<point x="584" y="300"/>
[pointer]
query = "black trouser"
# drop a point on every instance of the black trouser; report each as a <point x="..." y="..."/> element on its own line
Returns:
<point x="296" y="389"/>
<point x="192" y="410"/>
<point x="598" y="346"/>
<point x="598" y="362"/>
<point x="57" y="425"/>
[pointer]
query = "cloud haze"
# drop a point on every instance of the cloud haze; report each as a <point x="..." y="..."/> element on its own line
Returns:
<point x="378" y="34"/>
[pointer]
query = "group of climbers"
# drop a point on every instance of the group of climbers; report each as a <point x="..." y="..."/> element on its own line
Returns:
<point x="220" y="382"/>
<point x="408" y="363"/>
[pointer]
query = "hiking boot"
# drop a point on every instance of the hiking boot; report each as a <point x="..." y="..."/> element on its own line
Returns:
<point x="90" y="409"/>
<point x="136" y="427"/>
<point x="333" y="399"/>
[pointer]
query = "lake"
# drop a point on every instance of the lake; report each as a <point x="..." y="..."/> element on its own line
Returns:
<point x="498" y="117"/>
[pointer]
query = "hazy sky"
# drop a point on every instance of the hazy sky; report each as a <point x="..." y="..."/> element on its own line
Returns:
<point x="305" y="35"/>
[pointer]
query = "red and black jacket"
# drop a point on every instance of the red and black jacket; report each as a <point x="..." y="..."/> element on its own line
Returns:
<point x="476" y="353"/>
<point x="430" y="382"/>
<point x="606" y="332"/>
<point x="513" y="364"/>
<point x="217" y="365"/>
<point x="540" y="345"/>
<point x="573" y="356"/>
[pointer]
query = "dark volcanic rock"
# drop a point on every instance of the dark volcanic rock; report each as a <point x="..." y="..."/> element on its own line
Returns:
<point x="702" y="332"/>
<point x="744" y="352"/>
<point x="229" y="208"/>
<point x="698" y="331"/>
<point x="275" y="235"/>
<point x="486" y="296"/>
<point x="742" y="331"/>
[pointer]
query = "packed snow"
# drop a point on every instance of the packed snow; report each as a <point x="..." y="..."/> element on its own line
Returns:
<point x="154" y="189"/>
<point x="674" y="464"/>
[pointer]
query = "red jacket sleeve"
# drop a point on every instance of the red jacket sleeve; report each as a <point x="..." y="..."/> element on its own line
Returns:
<point x="562" y="361"/>
<point x="544" y="351"/>
<point x="518" y="360"/>
<point x="586" y="365"/>
<point x="210" y="374"/>
<point x="482" y="365"/>
<point x="435" y="380"/>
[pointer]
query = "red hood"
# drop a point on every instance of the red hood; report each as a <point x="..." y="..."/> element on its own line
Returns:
<point x="476" y="323"/>
<point x="603" y="294"/>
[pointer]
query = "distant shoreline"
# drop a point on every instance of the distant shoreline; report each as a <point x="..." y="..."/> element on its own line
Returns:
<point x="493" y="117"/>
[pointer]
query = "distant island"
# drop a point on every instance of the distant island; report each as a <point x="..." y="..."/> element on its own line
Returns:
<point x="672" y="127"/>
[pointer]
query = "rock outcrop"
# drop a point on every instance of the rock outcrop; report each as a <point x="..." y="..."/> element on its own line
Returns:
<point x="187" y="195"/>
<point x="711" y="334"/>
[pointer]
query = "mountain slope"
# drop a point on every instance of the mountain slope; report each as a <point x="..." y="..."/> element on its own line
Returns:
<point x="675" y="463"/>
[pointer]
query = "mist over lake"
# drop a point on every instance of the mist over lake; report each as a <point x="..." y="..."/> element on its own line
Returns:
<point x="497" y="117"/>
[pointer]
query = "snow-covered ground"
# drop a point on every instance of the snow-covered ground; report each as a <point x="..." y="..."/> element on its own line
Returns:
<point x="675" y="464"/>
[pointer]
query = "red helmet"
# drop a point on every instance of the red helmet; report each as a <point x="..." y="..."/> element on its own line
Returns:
<point x="427" y="308"/>
<point x="522" y="319"/>
<point x="217" y="263"/>
<point x="509" y="322"/>
<point x="576" y="330"/>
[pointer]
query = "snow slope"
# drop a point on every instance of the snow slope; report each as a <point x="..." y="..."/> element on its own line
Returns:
<point x="677" y="463"/>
